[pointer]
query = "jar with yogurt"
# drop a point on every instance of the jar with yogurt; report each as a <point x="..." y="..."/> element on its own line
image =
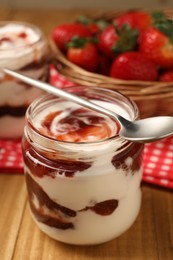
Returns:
<point x="23" y="48"/>
<point x="83" y="180"/>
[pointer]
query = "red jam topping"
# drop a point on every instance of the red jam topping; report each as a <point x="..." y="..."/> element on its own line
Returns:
<point x="80" y="125"/>
<point x="22" y="35"/>
<point x="13" y="40"/>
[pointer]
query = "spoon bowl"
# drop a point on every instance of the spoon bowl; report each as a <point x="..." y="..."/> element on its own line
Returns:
<point x="148" y="130"/>
<point x="143" y="131"/>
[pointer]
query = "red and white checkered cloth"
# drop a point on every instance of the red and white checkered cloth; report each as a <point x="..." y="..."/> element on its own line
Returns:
<point x="157" y="163"/>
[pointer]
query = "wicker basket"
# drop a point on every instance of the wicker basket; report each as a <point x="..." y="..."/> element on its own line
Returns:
<point x="152" y="98"/>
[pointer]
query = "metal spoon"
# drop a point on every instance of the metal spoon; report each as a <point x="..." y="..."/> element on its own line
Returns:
<point x="145" y="130"/>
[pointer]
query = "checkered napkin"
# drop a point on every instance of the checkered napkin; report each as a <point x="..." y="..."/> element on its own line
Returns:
<point x="157" y="163"/>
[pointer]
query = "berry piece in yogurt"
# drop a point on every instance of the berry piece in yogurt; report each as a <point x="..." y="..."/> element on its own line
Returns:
<point x="104" y="208"/>
<point x="22" y="35"/>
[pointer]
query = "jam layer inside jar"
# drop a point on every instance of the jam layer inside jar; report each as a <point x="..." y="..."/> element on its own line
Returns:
<point x="55" y="215"/>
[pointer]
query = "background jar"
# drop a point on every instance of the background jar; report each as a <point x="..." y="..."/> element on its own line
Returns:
<point x="82" y="193"/>
<point x="30" y="57"/>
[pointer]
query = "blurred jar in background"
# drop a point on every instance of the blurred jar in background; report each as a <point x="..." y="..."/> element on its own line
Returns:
<point x="24" y="48"/>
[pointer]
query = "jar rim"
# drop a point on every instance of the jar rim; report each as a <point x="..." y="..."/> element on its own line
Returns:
<point x="131" y="104"/>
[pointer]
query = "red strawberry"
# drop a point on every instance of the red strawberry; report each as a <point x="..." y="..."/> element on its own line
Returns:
<point x="133" y="66"/>
<point x="83" y="53"/>
<point x="107" y="39"/>
<point x="113" y="41"/>
<point x="157" y="43"/>
<point x="166" y="76"/>
<point x="135" y="19"/>
<point x="63" y="34"/>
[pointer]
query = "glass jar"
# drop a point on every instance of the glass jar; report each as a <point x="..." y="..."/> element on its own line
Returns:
<point x="84" y="192"/>
<point x="24" y="48"/>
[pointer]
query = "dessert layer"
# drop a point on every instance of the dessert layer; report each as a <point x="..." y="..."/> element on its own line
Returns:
<point x="83" y="210"/>
<point x="18" y="111"/>
<point x="15" y="93"/>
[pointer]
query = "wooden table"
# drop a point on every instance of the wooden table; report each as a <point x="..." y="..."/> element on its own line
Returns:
<point x="151" y="237"/>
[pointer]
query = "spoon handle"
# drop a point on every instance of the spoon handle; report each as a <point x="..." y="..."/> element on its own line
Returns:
<point x="61" y="93"/>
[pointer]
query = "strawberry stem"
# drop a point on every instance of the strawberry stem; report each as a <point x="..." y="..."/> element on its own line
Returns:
<point x="127" y="39"/>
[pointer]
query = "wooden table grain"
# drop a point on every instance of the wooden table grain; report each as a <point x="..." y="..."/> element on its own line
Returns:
<point x="150" y="237"/>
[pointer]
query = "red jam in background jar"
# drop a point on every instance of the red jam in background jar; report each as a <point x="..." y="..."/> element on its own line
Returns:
<point x="83" y="180"/>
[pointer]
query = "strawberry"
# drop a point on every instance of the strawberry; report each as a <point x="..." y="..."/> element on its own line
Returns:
<point x="63" y="34"/>
<point x="166" y="76"/>
<point x="135" y="19"/>
<point x="133" y="66"/>
<point x="157" y="42"/>
<point x="93" y="25"/>
<point x="113" y="41"/>
<point x="83" y="53"/>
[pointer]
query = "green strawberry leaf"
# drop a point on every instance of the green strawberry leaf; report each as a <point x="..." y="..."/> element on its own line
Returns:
<point x="128" y="39"/>
<point x="163" y="24"/>
<point x="102" y="24"/>
<point x="84" y="20"/>
<point x="94" y="40"/>
<point x="157" y="16"/>
<point x="79" y="42"/>
<point x="76" y="42"/>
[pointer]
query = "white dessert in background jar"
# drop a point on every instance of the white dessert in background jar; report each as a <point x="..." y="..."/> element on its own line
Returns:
<point x="83" y="180"/>
<point x="23" y="48"/>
